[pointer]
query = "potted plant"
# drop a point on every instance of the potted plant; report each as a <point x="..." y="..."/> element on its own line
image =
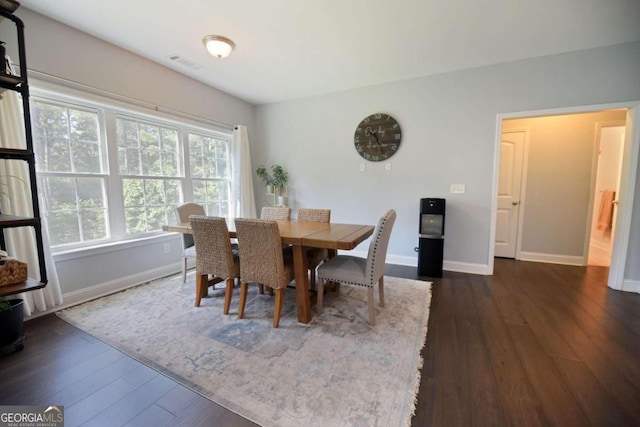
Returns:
<point x="280" y="179"/>
<point x="266" y="178"/>
<point x="11" y="320"/>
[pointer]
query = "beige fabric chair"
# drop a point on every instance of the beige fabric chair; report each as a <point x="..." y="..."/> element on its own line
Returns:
<point x="262" y="261"/>
<point x="277" y="213"/>
<point x="183" y="212"/>
<point x="216" y="256"/>
<point x="359" y="271"/>
<point x="315" y="255"/>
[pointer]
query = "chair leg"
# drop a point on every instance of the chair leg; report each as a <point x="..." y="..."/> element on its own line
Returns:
<point x="227" y="295"/>
<point x="202" y="281"/>
<point x="261" y="289"/>
<point x="184" y="269"/>
<point x="278" y="307"/>
<point x="270" y="290"/>
<point x="372" y="308"/>
<point x="243" y="298"/>
<point x="381" y="289"/>
<point x="320" y="296"/>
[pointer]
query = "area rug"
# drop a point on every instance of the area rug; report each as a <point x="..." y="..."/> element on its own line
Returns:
<point x="336" y="371"/>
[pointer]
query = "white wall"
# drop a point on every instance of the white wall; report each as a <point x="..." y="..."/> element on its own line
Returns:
<point x="449" y="131"/>
<point x="61" y="51"/>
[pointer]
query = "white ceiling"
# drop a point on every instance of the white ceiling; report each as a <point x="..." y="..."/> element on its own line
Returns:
<point x="288" y="49"/>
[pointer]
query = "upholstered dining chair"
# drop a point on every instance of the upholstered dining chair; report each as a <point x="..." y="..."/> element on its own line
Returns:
<point x="315" y="255"/>
<point x="216" y="257"/>
<point x="262" y="261"/>
<point x="277" y="213"/>
<point x="183" y="212"/>
<point x="360" y="271"/>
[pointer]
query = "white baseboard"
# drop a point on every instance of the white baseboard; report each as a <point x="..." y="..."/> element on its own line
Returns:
<point x="96" y="291"/>
<point x="460" y="267"/>
<point x="631" y="286"/>
<point x="551" y="258"/>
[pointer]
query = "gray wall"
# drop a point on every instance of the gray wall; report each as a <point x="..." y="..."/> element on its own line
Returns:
<point x="449" y="130"/>
<point x="558" y="181"/>
<point x="61" y="51"/>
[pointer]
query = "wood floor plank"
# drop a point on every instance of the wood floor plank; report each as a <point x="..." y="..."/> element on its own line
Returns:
<point x="558" y="403"/>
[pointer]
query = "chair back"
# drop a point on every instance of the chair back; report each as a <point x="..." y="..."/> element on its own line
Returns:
<point x="261" y="259"/>
<point x="378" y="247"/>
<point x="277" y="213"/>
<point x="213" y="247"/>
<point x="183" y="212"/>
<point x="314" y="215"/>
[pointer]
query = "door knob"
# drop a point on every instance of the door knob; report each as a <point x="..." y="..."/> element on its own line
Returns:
<point x="515" y="203"/>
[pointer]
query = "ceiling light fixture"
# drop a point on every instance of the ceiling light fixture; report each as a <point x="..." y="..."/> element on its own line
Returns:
<point x="218" y="46"/>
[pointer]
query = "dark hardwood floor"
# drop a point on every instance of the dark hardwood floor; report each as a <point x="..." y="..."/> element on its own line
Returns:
<point x="534" y="344"/>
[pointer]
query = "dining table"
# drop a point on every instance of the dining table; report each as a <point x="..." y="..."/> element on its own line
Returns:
<point x="301" y="235"/>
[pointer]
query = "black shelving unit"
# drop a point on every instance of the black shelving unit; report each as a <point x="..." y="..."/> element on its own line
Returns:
<point x="20" y="84"/>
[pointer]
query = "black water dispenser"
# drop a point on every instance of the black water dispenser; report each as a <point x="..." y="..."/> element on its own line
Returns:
<point x="431" y="239"/>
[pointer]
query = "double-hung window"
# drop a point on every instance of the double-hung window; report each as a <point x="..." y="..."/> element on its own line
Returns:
<point x="150" y="169"/>
<point x="72" y="171"/>
<point x="108" y="174"/>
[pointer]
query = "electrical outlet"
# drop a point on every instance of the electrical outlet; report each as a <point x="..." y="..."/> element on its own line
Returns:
<point x="166" y="248"/>
<point x="457" y="189"/>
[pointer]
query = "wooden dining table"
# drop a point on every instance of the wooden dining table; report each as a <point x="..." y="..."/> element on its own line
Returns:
<point x="299" y="235"/>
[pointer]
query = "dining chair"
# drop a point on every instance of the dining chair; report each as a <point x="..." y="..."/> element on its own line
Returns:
<point x="216" y="256"/>
<point x="183" y="212"/>
<point x="315" y="255"/>
<point x="262" y="261"/>
<point x="277" y="213"/>
<point x="361" y="271"/>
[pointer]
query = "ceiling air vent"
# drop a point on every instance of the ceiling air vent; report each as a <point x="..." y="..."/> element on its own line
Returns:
<point x="184" y="62"/>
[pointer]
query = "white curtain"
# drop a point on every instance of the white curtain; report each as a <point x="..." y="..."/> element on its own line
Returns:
<point x="243" y="176"/>
<point x="15" y="199"/>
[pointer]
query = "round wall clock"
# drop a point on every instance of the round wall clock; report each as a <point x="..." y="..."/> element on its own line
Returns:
<point x="377" y="137"/>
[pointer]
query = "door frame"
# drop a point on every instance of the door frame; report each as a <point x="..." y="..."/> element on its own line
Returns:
<point x="627" y="187"/>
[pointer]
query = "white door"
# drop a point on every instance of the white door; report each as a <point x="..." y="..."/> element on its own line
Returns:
<point x="509" y="183"/>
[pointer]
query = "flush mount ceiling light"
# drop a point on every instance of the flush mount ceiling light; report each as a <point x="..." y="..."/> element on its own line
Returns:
<point x="218" y="46"/>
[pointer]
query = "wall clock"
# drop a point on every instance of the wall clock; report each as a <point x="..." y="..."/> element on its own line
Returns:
<point x="377" y="137"/>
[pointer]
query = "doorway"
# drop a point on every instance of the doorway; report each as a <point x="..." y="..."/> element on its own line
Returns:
<point x="610" y="147"/>
<point x="571" y="237"/>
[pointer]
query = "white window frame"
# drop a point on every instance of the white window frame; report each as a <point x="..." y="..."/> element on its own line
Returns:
<point x="111" y="109"/>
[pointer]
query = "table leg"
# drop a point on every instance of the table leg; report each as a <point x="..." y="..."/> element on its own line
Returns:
<point x="303" y="301"/>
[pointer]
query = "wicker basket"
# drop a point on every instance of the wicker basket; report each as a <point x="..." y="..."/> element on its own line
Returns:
<point x="12" y="271"/>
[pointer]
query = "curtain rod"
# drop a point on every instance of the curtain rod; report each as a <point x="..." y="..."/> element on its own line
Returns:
<point x="123" y="98"/>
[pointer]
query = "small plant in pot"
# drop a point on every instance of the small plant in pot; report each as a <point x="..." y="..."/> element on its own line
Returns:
<point x="266" y="178"/>
<point x="280" y="179"/>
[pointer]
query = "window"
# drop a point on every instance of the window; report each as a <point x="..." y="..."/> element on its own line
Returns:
<point x="70" y="160"/>
<point x="105" y="174"/>
<point x="211" y="173"/>
<point x="149" y="164"/>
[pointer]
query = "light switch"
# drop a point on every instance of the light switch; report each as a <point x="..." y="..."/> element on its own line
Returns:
<point x="457" y="189"/>
<point x="387" y="166"/>
<point x="363" y="167"/>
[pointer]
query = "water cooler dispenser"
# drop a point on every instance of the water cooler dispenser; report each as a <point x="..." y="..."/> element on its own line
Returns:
<point x="431" y="241"/>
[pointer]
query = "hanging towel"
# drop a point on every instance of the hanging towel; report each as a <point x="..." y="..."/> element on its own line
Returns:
<point x="605" y="214"/>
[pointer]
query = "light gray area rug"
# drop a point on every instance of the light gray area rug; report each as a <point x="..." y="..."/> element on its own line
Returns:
<point x="335" y="371"/>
